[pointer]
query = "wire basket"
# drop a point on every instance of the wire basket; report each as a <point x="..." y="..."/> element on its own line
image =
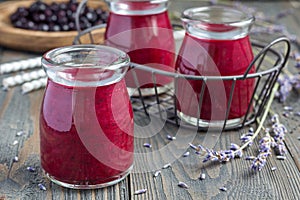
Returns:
<point x="269" y="61"/>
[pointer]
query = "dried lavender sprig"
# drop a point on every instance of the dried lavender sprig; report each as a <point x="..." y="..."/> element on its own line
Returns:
<point x="22" y="78"/>
<point x="33" y="85"/>
<point x="278" y="132"/>
<point x="264" y="116"/>
<point x="20" y="65"/>
<point x="226" y="155"/>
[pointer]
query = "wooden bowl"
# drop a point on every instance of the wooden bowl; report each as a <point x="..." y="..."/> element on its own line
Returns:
<point x="38" y="41"/>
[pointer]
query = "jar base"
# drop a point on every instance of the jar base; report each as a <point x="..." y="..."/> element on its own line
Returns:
<point x="133" y="92"/>
<point x="118" y="179"/>
<point x="230" y="123"/>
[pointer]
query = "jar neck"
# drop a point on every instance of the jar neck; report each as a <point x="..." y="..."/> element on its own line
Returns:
<point x="217" y="22"/>
<point x="140" y="8"/>
<point x="85" y="65"/>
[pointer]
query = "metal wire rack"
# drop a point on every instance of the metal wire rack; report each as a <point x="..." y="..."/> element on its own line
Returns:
<point x="269" y="61"/>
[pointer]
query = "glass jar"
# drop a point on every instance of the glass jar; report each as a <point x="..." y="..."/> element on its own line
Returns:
<point x="86" y="119"/>
<point x="143" y="30"/>
<point x="216" y="46"/>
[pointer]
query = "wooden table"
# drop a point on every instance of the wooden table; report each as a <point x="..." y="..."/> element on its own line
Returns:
<point x="21" y="112"/>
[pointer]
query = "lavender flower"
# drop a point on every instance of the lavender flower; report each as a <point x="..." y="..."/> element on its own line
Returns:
<point x="265" y="145"/>
<point x="248" y="137"/>
<point x="278" y="132"/>
<point x="260" y="161"/>
<point x="286" y="86"/>
<point x="268" y="142"/>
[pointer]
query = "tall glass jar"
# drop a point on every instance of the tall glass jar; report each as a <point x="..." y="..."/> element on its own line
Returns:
<point x="86" y="119"/>
<point x="143" y="30"/>
<point x="216" y="44"/>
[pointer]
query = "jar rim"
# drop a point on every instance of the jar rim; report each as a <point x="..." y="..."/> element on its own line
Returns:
<point x="50" y="58"/>
<point x="216" y="15"/>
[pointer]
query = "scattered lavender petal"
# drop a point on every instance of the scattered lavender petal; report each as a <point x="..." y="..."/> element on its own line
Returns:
<point x="16" y="159"/>
<point x="286" y="114"/>
<point x="186" y="154"/>
<point x="288" y="108"/>
<point x="169" y="137"/>
<point x="42" y="187"/>
<point x="250" y="157"/>
<point x="297" y="114"/>
<point x="147" y="145"/>
<point x="157" y="173"/>
<point x="224" y="189"/>
<point x="15" y="142"/>
<point x="280" y="157"/>
<point x="31" y="169"/>
<point x="183" y="185"/>
<point x="20" y="133"/>
<point x="202" y="176"/>
<point x="141" y="191"/>
<point x="251" y="129"/>
<point x="273" y="168"/>
<point x="166" y="166"/>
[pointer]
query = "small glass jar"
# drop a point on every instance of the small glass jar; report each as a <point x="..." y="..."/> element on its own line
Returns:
<point x="216" y="44"/>
<point x="143" y="30"/>
<point x="86" y="119"/>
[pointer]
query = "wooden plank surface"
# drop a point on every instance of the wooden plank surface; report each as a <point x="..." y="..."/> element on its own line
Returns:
<point x="20" y="112"/>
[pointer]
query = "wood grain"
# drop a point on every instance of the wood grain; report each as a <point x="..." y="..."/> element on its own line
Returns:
<point x="38" y="41"/>
<point x="21" y="112"/>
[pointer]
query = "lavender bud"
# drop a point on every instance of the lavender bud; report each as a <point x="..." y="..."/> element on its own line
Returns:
<point x="186" y="154"/>
<point x="42" y="187"/>
<point x="141" y="191"/>
<point x="224" y="189"/>
<point x="234" y="146"/>
<point x="157" y="173"/>
<point x="273" y="168"/>
<point x="239" y="154"/>
<point x="280" y="157"/>
<point x="202" y="176"/>
<point x="250" y="157"/>
<point x="166" y="166"/>
<point x="183" y="185"/>
<point x="169" y="137"/>
<point x="147" y="145"/>
<point x="288" y="108"/>
<point x="31" y="169"/>
<point x="20" y="133"/>
<point x="194" y="147"/>
<point x="16" y="159"/>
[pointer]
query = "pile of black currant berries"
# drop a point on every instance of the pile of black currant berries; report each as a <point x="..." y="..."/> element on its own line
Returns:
<point x="57" y="16"/>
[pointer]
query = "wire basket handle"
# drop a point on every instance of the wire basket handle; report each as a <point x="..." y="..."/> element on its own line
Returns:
<point x="266" y="49"/>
